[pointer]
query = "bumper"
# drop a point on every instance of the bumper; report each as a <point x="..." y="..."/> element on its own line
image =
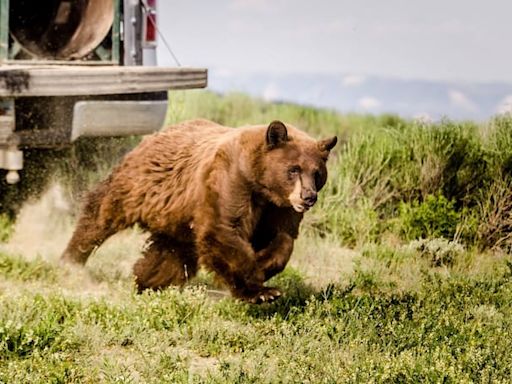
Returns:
<point x="117" y="118"/>
<point x="80" y="80"/>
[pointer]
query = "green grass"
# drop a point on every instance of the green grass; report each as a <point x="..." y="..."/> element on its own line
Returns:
<point x="402" y="272"/>
<point x="452" y="325"/>
<point x="5" y="227"/>
<point x="20" y="269"/>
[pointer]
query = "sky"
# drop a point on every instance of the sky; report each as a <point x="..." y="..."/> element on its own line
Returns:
<point x="466" y="40"/>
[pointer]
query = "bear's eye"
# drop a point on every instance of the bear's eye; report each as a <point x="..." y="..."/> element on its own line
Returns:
<point x="319" y="180"/>
<point x="293" y="171"/>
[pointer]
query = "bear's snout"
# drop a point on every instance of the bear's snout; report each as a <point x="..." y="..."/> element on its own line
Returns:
<point x="309" y="198"/>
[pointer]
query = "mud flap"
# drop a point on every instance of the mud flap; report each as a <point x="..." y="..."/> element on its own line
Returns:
<point x="117" y="118"/>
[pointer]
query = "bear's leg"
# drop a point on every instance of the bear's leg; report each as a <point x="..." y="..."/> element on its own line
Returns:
<point x="165" y="262"/>
<point x="275" y="256"/>
<point x="86" y="238"/>
<point x="91" y="231"/>
<point x="233" y="260"/>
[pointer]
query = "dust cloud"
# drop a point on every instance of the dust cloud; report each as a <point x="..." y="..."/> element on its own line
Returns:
<point x="42" y="227"/>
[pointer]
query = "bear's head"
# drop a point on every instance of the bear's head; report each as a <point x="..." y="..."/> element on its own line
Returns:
<point x="293" y="166"/>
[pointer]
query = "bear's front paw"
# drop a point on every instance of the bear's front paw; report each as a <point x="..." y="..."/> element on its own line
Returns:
<point x="265" y="295"/>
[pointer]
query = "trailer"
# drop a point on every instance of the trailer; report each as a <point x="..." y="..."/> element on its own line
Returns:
<point x="79" y="68"/>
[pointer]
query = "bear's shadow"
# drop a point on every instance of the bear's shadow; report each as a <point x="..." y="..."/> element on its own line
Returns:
<point x="296" y="294"/>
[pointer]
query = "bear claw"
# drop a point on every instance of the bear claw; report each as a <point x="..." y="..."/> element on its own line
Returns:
<point x="267" y="295"/>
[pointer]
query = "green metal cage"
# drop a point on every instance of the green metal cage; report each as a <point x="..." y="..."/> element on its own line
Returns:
<point x="67" y="32"/>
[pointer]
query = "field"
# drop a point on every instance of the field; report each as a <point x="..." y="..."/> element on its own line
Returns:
<point x="402" y="272"/>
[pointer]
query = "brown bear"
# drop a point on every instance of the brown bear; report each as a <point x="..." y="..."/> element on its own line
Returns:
<point x="228" y="199"/>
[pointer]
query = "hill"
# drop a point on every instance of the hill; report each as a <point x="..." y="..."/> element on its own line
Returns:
<point x="409" y="98"/>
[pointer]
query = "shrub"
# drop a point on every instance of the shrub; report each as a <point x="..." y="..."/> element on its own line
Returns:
<point x="499" y="144"/>
<point x="438" y="251"/>
<point x="436" y="216"/>
<point x="495" y="213"/>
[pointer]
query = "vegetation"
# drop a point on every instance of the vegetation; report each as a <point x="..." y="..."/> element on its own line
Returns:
<point x="402" y="272"/>
<point x="409" y="179"/>
<point x="451" y="325"/>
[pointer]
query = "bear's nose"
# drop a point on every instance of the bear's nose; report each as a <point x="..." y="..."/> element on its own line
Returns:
<point x="310" y="198"/>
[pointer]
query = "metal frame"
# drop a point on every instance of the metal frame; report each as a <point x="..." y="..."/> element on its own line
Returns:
<point x="62" y="80"/>
<point x="113" y="57"/>
<point x="132" y="54"/>
<point x="116" y="33"/>
<point x="4" y="30"/>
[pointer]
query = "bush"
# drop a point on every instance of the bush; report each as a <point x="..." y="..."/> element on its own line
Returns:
<point x="418" y="180"/>
<point x="438" y="251"/>
<point x="495" y="213"/>
<point x="434" y="217"/>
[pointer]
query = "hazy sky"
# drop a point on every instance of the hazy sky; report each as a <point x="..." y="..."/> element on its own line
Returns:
<point x="452" y="40"/>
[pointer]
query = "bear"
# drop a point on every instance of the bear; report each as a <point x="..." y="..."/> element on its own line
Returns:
<point x="227" y="199"/>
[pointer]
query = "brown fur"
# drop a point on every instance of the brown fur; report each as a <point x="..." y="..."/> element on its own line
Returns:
<point x="227" y="199"/>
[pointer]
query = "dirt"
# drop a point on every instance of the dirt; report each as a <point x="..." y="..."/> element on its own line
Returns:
<point x="44" y="227"/>
<point x="323" y="261"/>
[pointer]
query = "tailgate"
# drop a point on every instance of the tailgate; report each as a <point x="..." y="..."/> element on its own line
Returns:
<point x="77" y="80"/>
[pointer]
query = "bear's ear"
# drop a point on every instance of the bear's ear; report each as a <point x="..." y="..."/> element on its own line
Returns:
<point x="327" y="144"/>
<point x="277" y="134"/>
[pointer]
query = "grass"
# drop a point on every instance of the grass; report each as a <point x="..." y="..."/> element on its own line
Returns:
<point x="451" y="325"/>
<point x="402" y="272"/>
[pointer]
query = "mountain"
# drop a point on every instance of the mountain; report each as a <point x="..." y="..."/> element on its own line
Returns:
<point x="411" y="98"/>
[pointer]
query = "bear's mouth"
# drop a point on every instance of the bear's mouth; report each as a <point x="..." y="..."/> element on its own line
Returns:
<point x="300" y="207"/>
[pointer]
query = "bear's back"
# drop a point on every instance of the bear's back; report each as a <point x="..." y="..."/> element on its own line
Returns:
<point x="160" y="183"/>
